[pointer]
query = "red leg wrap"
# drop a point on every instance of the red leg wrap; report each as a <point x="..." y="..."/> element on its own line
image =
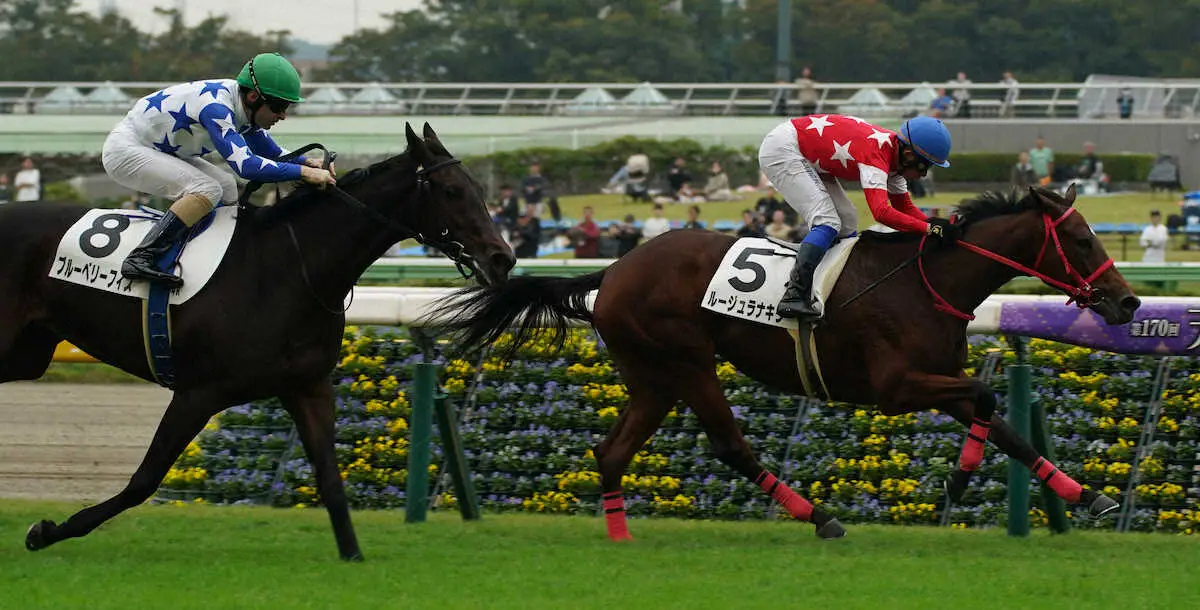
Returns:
<point x="614" y="516"/>
<point x="796" y="506"/>
<point x="1063" y="485"/>
<point x="972" y="452"/>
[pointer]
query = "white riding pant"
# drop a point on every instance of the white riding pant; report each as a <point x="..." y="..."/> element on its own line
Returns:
<point x="819" y="200"/>
<point x="147" y="170"/>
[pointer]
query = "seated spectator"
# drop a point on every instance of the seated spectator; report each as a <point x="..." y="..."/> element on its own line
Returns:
<point x="586" y="236"/>
<point x="655" y="225"/>
<point x="717" y="187"/>
<point x="693" y="218"/>
<point x="626" y="235"/>
<point x="778" y="228"/>
<point x="1022" y="176"/>
<point x="527" y="233"/>
<point x="678" y="179"/>
<point x="942" y="105"/>
<point x="751" y="226"/>
<point x="1091" y="169"/>
<point x="510" y="205"/>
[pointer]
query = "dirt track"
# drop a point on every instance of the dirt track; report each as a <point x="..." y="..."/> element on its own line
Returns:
<point x="74" y="442"/>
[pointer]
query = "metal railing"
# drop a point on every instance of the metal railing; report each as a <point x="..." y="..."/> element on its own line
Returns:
<point x="1153" y="99"/>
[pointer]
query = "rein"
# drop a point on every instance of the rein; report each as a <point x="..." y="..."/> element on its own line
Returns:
<point x="1082" y="293"/>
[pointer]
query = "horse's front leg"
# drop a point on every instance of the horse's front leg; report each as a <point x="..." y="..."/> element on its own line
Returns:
<point x="920" y="391"/>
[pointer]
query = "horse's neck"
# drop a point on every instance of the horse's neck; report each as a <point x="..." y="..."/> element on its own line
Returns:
<point x="965" y="278"/>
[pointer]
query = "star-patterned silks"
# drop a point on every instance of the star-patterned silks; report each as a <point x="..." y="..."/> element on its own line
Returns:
<point x="155" y="101"/>
<point x="841" y="152"/>
<point x="819" y="123"/>
<point x="238" y="156"/>
<point x="226" y="124"/>
<point x="183" y="122"/>
<point x="165" y="146"/>
<point x="213" y="87"/>
<point x="203" y="151"/>
<point x="881" y="137"/>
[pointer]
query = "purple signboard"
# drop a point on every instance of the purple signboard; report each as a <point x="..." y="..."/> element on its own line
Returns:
<point x="1157" y="328"/>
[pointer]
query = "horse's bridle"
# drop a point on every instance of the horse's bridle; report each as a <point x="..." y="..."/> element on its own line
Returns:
<point x="1081" y="292"/>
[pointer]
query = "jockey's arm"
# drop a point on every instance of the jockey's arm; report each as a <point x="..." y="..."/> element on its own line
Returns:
<point x="217" y="119"/>
<point x="264" y="145"/>
<point x="904" y="203"/>
<point x="875" y="186"/>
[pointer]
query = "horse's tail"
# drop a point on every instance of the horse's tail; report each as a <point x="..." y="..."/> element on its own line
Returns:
<point x="531" y="306"/>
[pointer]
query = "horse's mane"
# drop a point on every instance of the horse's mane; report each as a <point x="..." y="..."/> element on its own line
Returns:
<point x="993" y="203"/>
<point x="302" y="194"/>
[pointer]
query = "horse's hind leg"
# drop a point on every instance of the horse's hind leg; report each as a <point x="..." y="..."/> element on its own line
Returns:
<point x="29" y="354"/>
<point x="312" y="408"/>
<point x="1011" y="443"/>
<point x="184" y="418"/>
<point x="648" y="405"/>
<point x="702" y="390"/>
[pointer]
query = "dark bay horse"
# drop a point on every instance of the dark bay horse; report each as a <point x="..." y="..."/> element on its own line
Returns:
<point x="268" y="323"/>
<point x="899" y="346"/>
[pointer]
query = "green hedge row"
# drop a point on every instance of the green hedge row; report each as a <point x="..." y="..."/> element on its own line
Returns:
<point x="587" y="169"/>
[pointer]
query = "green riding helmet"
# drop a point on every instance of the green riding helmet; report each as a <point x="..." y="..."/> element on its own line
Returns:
<point x="271" y="75"/>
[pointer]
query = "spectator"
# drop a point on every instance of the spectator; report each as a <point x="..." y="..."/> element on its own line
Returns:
<point x="717" y="187"/>
<point x="510" y="205"/>
<point x="626" y="235"/>
<point x="767" y="204"/>
<point x="693" y="221"/>
<point x="1011" y="92"/>
<point x="586" y="236"/>
<point x="1154" y="240"/>
<point x="678" y="179"/>
<point x="962" y="96"/>
<point x="941" y="105"/>
<point x="533" y="187"/>
<point x="806" y="92"/>
<point x="526" y="233"/>
<point x="28" y="182"/>
<point x="1023" y="175"/>
<point x="778" y="228"/>
<point x="656" y="225"/>
<point x="1042" y="159"/>
<point x="751" y="226"/>
<point x="1091" y="168"/>
<point x="5" y="192"/>
<point x="1125" y="102"/>
<point x="552" y="203"/>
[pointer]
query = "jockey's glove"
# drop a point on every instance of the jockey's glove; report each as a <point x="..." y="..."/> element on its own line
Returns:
<point x="944" y="231"/>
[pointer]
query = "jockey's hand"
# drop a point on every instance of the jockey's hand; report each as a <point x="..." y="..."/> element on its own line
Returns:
<point x="317" y="164"/>
<point x="316" y="175"/>
<point x="944" y="231"/>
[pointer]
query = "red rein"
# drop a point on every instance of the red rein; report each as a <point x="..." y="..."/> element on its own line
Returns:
<point x="1081" y="292"/>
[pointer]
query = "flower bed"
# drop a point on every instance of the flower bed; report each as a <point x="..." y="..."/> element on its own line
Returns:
<point x="529" y="438"/>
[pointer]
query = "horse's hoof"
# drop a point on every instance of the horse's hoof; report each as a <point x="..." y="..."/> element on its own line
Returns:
<point x="956" y="485"/>
<point x="35" y="538"/>
<point x="356" y="557"/>
<point x="832" y="529"/>
<point x="1102" y="505"/>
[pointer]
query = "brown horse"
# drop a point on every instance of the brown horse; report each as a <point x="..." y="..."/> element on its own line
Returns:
<point x="899" y="346"/>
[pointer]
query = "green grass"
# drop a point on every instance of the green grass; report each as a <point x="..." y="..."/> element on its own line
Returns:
<point x="87" y="372"/>
<point x="220" y="557"/>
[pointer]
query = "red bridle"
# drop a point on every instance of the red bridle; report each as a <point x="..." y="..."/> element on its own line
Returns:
<point x="1082" y="293"/>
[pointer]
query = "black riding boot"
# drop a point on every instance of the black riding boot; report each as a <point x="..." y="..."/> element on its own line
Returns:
<point x="140" y="264"/>
<point x="797" y="301"/>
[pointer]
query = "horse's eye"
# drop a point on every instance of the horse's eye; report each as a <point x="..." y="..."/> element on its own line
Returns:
<point x="454" y="192"/>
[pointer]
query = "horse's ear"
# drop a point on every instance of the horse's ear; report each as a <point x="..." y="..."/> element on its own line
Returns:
<point x="415" y="144"/>
<point x="1069" y="198"/>
<point x="435" y="145"/>
<point x="1048" y="200"/>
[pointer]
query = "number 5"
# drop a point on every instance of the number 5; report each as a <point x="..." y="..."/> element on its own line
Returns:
<point x="743" y="262"/>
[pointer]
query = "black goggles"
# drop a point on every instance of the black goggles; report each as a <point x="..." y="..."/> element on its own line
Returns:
<point x="278" y="106"/>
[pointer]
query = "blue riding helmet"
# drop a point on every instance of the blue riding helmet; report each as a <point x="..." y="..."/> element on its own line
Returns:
<point x="929" y="138"/>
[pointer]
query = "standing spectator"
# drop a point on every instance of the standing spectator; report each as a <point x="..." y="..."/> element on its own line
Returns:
<point x="941" y="105"/>
<point x="510" y="205"/>
<point x="28" y="182"/>
<point x="778" y="228"/>
<point x="751" y="226"/>
<point x="1042" y="158"/>
<point x="1023" y="175"/>
<point x="533" y="187"/>
<point x="806" y="92"/>
<point x="1011" y="93"/>
<point x="1154" y="240"/>
<point x="717" y="187"/>
<point x="693" y="221"/>
<point x="627" y="235"/>
<point x="962" y="96"/>
<point x="678" y="178"/>
<point x="586" y="236"/>
<point x="656" y="225"/>
<point x="1125" y="102"/>
<point x="5" y="192"/>
<point x="526" y="233"/>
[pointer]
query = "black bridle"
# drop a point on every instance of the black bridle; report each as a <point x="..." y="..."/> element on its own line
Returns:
<point x="451" y="248"/>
